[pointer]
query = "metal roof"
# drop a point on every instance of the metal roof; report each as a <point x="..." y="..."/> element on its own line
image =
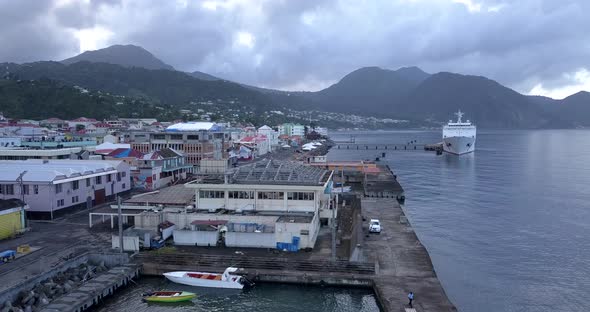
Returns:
<point x="39" y="170"/>
<point x="280" y="172"/>
<point x="173" y="195"/>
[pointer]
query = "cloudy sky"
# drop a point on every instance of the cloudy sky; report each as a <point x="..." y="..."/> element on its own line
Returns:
<point x="532" y="46"/>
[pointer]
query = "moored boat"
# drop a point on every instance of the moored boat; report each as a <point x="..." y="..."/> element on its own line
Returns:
<point x="168" y="296"/>
<point x="204" y="279"/>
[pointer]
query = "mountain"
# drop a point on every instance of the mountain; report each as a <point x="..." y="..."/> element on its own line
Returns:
<point x="576" y="108"/>
<point x="124" y="55"/>
<point x="44" y="98"/>
<point x="484" y="101"/>
<point x="203" y="76"/>
<point x="369" y="90"/>
<point x="168" y="87"/>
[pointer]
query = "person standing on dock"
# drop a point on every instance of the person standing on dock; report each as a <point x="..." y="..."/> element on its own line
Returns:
<point x="411" y="298"/>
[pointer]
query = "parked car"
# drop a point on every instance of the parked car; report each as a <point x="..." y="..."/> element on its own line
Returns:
<point x="375" y="226"/>
<point x="7" y="255"/>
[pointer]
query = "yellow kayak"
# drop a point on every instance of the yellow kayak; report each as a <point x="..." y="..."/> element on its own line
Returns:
<point x="169" y="296"/>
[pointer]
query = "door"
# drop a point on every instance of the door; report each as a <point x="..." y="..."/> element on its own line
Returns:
<point x="99" y="197"/>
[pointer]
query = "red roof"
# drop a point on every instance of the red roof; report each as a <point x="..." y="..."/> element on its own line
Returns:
<point x="102" y="125"/>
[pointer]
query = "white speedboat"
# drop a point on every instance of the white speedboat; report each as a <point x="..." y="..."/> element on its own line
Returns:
<point x="203" y="279"/>
<point x="459" y="137"/>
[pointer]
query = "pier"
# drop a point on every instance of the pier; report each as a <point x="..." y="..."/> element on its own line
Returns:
<point x="381" y="147"/>
<point x="93" y="291"/>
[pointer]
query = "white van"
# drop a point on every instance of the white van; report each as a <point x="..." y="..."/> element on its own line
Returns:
<point x="375" y="226"/>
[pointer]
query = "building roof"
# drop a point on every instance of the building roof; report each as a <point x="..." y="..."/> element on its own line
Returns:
<point x="84" y="119"/>
<point x="280" y="172"/>
<point x="108" y="147"/>
<point x="192" y="126"/>
<point x="162" y="154"/>
<point x="54" y="170"/>
<point x="125" y="152"/>
<point x="265" y="127"/>
<point x="174" y="195"/>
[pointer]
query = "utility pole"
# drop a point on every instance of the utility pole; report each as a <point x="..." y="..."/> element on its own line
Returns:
<point x="334" y="229"/>
<point x="22" y="193"/>
<point x="120" y="219"/>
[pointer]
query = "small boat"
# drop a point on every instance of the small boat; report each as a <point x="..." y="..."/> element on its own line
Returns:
<point x="168" y="296"/>
<point x="203" y="279"/>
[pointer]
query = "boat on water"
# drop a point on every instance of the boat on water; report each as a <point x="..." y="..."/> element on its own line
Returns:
<point x="203" y="279"/>
<point x="459" y="137"/>
<point x="168" y="296"/>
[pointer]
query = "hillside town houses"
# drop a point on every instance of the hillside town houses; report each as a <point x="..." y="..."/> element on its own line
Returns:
<point x="53" y="167"/>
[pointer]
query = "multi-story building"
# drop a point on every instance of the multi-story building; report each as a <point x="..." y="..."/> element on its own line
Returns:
<point x="267" y="204"/>
<point x="292" y="129"/>
<point x="53" y="188"/>
<point x="195" y="140"/>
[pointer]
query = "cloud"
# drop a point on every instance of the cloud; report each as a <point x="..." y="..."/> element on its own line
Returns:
<point x="529" y="45"/>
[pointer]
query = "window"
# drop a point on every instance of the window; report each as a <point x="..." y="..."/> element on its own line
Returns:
<point x="300" y="196"/>
<point x="241" y="194"/>
<point x="159" y="137"/>
<point x="58" y="188"/>
<point x="118" y="177"/>
<point x="211" y="194"/>
<point x="98" y="180"/>
<point x="123" y="185"/>
<point x="176" y="137"/>
<point x="88" y="182"/>
<point x="36" y="189"/>
<point x="192" y="137"/>
<point x="26" y="189"/>
<point x="75" y="185"/>
<point x="74" y="199"/>
<point x="109" y="178"/>
<point x="271" y="195"/>
<point x="60" y="202"/>
<point x="124" y="174"/>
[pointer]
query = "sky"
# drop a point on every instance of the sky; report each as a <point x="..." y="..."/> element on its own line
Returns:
<point x="539" y="47"/>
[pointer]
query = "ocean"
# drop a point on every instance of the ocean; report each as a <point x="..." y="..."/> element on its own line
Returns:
<point x="508" y="226"/>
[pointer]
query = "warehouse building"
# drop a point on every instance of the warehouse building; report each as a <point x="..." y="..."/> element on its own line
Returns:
<point x="52" y="188"/>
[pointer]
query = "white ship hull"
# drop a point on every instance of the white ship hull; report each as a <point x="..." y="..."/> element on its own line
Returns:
<point x="459" y="137"/>
<point x="459" y="145"/>
<point x="228" y="281"/>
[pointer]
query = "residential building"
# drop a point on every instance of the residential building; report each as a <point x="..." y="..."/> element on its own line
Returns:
<point x="259" y="144"/>
<point x="321" y="131"/>
<point x="292" y="129"/>
<point x="161" y="168"/>
<point x="81" y="122"/>
<point x="53" y="188"/>
<point x="271" y="135"/>
<point x="54" y="124"/>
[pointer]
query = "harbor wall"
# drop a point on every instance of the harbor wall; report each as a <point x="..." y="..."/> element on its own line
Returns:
<point x="109" y="259"/>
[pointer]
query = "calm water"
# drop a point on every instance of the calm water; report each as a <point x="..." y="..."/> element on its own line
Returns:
<point x="508" y="228"/>
<point x="263" y="298"/>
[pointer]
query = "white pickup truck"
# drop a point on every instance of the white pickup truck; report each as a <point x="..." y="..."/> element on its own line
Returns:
<point x="375" y="226"/>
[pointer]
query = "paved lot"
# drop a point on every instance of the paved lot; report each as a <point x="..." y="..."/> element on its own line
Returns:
<point x="403" y="262"/>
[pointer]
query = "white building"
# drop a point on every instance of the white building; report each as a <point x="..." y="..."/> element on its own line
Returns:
<point x="268" y="204"/>
<point x="271" y="135"/>
<point x="291" y="129"/>
<point x="321" y="131"/>
<point x="55" y="187"/>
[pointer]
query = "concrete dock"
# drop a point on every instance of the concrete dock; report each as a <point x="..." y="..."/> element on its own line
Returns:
<point x="403" y="264"/>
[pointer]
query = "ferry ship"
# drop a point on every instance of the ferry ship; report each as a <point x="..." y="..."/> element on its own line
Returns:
<point x="459" y="137"/>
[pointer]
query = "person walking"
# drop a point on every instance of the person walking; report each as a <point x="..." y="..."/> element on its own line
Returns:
<point x="411" y="298"/>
